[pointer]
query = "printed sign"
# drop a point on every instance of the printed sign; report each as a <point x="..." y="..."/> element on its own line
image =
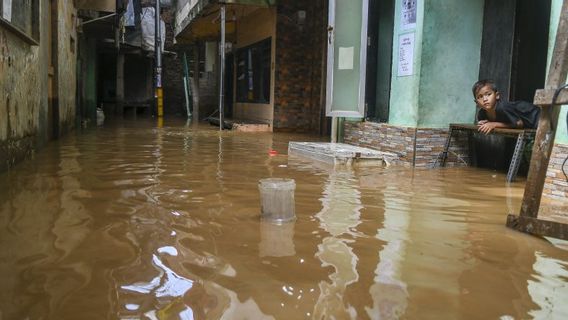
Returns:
<point x="408" y="14"/>
<point x="7" y="10"/>
<point x="345" y="58"/>
<point x="406" y="54"/>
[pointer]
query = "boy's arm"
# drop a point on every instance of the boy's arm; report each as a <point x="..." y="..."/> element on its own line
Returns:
<point x="488" y="126"/>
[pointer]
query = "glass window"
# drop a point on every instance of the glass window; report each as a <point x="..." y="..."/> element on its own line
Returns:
<point x="253" y="72"/>
<point x="21" y="15"/>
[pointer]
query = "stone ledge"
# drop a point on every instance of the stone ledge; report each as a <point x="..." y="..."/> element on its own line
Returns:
<point x="340" y="154"/>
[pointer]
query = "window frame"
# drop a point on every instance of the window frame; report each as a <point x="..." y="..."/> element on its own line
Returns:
<point x="247" y="87"/>
<point x="31" y="38"/>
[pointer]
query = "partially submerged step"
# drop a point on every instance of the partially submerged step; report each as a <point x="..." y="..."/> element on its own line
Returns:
<point x="340" y="153"/>
<point x="241" y="125"/>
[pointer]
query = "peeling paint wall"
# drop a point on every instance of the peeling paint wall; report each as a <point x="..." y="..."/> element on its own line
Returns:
<point x="20" y="97"/>
<point x="24" y="86"/>
<point x="67" y="65"/>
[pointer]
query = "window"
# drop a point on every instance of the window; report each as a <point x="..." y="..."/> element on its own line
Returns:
<point x="253" y="72"/>
<point x="22" y="17"/>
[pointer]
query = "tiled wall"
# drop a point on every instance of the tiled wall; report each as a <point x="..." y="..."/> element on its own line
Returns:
<point x="556" y="184"/>
<point x="299" y="61"/>
<point x="420" y="147"/>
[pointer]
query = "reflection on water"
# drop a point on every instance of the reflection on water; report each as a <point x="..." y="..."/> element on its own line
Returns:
<point x="139" y="221"/>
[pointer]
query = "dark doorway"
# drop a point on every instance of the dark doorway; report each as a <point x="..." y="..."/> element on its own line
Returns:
<point x="106" y="86"/>
<point x="379" y="59"/>
<point x="229" y="87"/>
<point x="515" y="46"/>
<point x="513" y="53"/>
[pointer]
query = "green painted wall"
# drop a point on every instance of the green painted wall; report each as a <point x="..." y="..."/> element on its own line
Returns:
<point x="405" y="90"/>
<point x="562" y="132"/>
<point x="451" y="45"/>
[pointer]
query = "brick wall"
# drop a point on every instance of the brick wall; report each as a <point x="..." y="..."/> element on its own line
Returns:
<point x="172" y="74"/>
<point x="420" y="147"/>
<point x="556" y="186"/>
<point x="299" y="61"/>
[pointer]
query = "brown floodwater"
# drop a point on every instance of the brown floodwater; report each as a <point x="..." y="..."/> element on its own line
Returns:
<point x="136" y="221"/>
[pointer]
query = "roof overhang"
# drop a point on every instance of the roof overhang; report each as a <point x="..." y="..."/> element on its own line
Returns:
<point x="97" y="5"/>
<point x="199" y="19"/>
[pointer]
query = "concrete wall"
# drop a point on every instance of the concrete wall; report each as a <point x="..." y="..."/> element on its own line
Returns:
<point x="257" y="26"/>
<point x="450" y="61"/>
<point x="405" y="91"/>
<point x="446" y="63"/>
<point x="24" y="87"/>
<point x="66" y="65"/>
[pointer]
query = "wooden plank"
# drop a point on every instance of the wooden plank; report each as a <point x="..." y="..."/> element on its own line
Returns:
<point x="538" y="227"/>
<point x="544" y="140"/>
<point x="543" y="97"/>
<point x="502" y="131"/>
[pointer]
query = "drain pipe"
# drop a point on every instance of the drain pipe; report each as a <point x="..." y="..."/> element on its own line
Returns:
<point x="334" y="130"/>
<point x="222" y="69"/>
<point x="158" y="52"/>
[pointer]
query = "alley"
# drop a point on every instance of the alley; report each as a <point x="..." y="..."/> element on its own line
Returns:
<point x="133" y="220"/>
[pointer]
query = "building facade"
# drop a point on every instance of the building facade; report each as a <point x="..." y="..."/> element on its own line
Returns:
<point x="421" y="59"/>
<point x="38" y="44"/>
<point x="274" y="60"/>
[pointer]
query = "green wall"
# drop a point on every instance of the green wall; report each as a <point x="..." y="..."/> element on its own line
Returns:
<point x="446" y="64"/>
<point x="450" y="61"/>
<point x="562" y="132"/>
<point x="405" y="90"/>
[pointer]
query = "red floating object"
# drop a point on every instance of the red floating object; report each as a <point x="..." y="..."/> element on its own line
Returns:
<point x="272" y="152"/>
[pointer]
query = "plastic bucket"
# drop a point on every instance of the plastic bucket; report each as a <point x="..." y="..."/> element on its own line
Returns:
<point x="277" y="199"/>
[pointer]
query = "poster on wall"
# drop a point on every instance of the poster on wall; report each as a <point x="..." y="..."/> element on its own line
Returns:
<point x="406" y="54"/>
<point x="7" y="10"/>
<point x="345" y="58"/>
<point x="408" y="14"/>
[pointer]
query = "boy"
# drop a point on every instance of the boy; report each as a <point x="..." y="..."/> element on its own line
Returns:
<point x="494" y="113"/>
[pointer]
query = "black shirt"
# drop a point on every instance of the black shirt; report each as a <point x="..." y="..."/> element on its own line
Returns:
<point x="511" y="112"/>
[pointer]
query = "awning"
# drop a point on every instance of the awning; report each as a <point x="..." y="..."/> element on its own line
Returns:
<point x="198" y="19"/>
<point x="97" y="5"/>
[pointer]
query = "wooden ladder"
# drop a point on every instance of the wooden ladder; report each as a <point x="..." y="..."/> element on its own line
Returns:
<point x="549" y="100"/>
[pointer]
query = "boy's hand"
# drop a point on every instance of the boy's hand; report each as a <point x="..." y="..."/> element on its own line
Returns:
<point x="486" y="127"/>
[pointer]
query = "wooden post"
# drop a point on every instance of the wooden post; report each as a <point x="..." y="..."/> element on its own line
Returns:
<point x="544" y="140"/>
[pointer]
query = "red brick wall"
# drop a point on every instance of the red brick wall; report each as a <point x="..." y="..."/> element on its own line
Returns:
<point x="300" y="56"/>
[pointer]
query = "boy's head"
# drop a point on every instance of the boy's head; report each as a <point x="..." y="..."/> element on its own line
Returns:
<point x="485" y="94"/>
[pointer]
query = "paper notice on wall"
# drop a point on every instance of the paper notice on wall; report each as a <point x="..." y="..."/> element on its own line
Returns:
<point x="345" y="58"/>
<point x="406" y="54"/>
<point x="408" y="14"/>
<point x="7" y="10"/>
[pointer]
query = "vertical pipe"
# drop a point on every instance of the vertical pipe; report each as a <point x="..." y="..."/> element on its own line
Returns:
<point x="222" y="69"/>
<point x="158" y="52"/>
<point x="334" y="130"/>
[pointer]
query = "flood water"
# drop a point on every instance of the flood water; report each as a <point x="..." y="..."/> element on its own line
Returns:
<point x="134" y="221"/>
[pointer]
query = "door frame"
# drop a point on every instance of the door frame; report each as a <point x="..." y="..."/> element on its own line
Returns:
<point x="331" y="63"/>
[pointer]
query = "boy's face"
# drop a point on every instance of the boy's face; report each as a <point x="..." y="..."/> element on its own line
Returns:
<point x="486" y="98"/>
